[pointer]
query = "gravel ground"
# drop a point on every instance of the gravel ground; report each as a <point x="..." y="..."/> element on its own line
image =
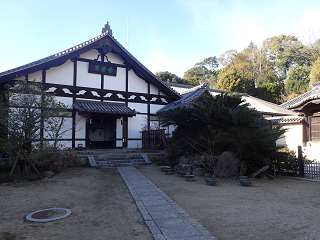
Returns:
<point x="282" y="208"/>
<point x="101" y="205"/>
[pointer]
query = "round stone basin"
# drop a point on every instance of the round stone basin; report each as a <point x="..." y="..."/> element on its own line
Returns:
<point x="211" y="181"/>
<point x="245" y="182"/>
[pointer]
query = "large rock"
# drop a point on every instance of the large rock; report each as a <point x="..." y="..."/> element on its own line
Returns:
<point x="226" y="165"/>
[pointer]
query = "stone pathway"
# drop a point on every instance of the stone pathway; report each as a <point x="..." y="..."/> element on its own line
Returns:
<point x="164" y="218"/>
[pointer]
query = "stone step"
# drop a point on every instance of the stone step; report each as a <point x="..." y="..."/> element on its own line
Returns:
<point x="121" y="161"/>
<point x="115" y="165"/>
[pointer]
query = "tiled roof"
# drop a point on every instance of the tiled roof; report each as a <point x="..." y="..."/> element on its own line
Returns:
<point x="103" y="107"/>
<point x="286" y="119"/>
<point x="313" y="94"/>
<point x="55" y="56"/>
<point x="190" y="94"/>
<point x="179" y="88"/>
<point x="86" y="44"/>
<point x="186" y="99"/>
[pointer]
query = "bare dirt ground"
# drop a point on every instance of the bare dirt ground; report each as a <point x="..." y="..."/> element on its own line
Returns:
<point x="102" y="207"/>
<point x="282" y="208"/>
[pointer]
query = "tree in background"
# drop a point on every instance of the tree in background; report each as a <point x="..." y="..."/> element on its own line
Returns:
<point x="298" y="80"/>
<point x="270" y="92"/>
<point x="315" y="72"/>
<point x="281" y="63"/>
<point x="169" y="77"/>
<point x="202" y="71"/>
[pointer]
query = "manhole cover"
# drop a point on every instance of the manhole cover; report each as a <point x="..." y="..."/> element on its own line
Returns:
<point x="47" y="215"/>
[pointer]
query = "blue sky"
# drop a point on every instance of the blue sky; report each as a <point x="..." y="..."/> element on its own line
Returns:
<point x="164" y="35"/>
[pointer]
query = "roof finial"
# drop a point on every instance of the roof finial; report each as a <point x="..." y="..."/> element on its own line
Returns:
<point x="106" y="28"/>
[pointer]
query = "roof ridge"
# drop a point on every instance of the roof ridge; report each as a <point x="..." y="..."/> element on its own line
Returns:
<point x="56" y="55"/>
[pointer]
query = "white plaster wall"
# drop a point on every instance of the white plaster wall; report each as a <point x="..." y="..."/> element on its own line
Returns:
<point x="66" y="100"/>
<point x="66" y="129"/>
<point x="136" y="84"/>
<point x="117" y="82"/>
<point x="155" y="107"/>
<point x="85" y="79"/>
<point x="139" y="107"/>
<point x="119" y="143"/>
<point x="61" y="75"/>
<point x="115" y="58"/>
<point x="292" y="138"/>
<point x="153" y="89"/>
<point x="80" y="127"/>
<point x="119" y="129"/>
<point x="92" y="54"/>
<point x="134" y="143"/>
<point x="135" y="125"/>
<point x="37" y="76"/>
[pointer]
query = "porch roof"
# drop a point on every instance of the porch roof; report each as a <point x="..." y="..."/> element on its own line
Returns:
<point x="103" y="108"/>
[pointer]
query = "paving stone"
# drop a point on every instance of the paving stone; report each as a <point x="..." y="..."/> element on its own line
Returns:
<point x="176" y="228"/>
<point x="153" y="201"/>
<point x="153" y="227"/>
<point x="164" y="218"/>
<point x="163" y="212"/>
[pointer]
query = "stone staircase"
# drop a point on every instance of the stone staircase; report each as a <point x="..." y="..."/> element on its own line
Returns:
<point x="114" y="159"/>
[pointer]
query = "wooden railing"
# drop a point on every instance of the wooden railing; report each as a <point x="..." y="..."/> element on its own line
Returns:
<point x="153" y="139"/>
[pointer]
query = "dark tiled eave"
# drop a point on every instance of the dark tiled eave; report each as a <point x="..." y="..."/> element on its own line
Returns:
<point x="287" y="120"/>
<point x="103" y="108"/>
<point x="313" y="94"/>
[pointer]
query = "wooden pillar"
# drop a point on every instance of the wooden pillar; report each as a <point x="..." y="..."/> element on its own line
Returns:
<point x="125" y="132"/>
<point x="88" y="133"/>
<point x="42" y="101"/>
<point x="73" y="101"/>
<point x="301" y="162"/>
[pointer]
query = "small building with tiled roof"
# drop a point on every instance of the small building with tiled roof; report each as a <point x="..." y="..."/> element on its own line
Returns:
<point x="308" y="105"/>
<point x="109" y="93"/>
<point x="277" y="114"/>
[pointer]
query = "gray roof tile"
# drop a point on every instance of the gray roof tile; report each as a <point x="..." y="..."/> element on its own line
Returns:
<point x="285" y="120"/>
<point x="103" y="107"/>
<point x="313" y="94"/>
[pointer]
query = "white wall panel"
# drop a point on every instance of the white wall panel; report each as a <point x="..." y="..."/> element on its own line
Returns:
<point x="119" y="143"/>
<point x="92" y="54"/>
<point x="136" y="84"/>
<point x="61" y="75"/>
<point x="135" y="126"/>
<point x="154" y="89"/>
<point x="139" y="107"/>
<point x="66" y="100"/>
<point x="119" y="128"/>
<point x="37" y="76"/>
<point x="117" y="82"/>
<point x="80" y="127"/>
<point x="155" y="107"/>
<point x="85" y="79"/>
<point x="292" y="138"/>
<point x="115" y="58"/>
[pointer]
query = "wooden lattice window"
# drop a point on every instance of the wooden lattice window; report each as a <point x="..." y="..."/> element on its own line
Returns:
<point x="315" y="128"/>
